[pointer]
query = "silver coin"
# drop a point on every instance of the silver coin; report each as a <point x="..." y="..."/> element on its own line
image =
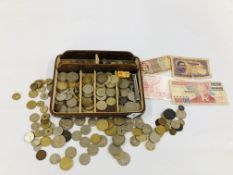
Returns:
<point x="134" y="141"/>
<point x="88" y="89"/>
<point x="150" y="145"/>
<point x="76" y="135"/>
<point x="85" y="129"/>
<point x="72" y="76"/>
<point x="154" y="137"/>
<point x="101" y="92"/>
<point x="131" y="96"/>
<point x="124" y="160"/>
<point x="70" y="152"/>
<point x="28" y="137"/>
<point x="55" y="158"/>
<point x="79" y="121"/>
<point x="72" y="102"/>
<point x="84" y="159"/>
<point x="123" y="83"/>
<point x="60" y="96"/>
<point x="103" y="141"/>
<point x="110" y="92"/>
<point x="34" y="117"/>
<point x="66" y="124"/>
<point x="36" y="141"/>
<point x="101" y="98"/>
<point x="180" y="114"/>
<point x="61" y="76"/>
<point x="84" y="142"/>
<point x="175" y="124"/>
<point x="57" y="130"/>
<point x="92" y="150"/>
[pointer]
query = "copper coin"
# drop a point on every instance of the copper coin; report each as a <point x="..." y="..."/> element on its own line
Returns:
<point x="41" y="155"/>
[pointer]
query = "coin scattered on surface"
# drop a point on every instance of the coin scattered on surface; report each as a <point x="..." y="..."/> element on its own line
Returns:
<point x="84" y="159"/>
<point x="31" y="104"/>
<point x="41" y="155"/>
<point x="16" y="96"/>
<point x="66" y="163"/>
<point x="76" y="135"/>
<point x="28" y="137"/>
<point x="55" y="158"/>
<point x="70" y="152"/>
<point x="102" y="124"/>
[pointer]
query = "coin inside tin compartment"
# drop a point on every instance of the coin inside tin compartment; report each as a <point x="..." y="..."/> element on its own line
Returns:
<point x="87" y="83"/>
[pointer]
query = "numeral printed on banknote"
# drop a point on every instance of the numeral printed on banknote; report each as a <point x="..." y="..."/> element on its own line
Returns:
<point x="184" y="67"/>
<point x="194" y="92"/>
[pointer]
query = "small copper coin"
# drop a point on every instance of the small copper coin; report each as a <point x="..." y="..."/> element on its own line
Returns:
<point x="41" y="155"/>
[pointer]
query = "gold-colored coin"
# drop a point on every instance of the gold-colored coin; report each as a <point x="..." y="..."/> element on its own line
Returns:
<point x="16" y="96"/>
<point x="102" y="124"/>
<point x="160" y="130"/>
<point x="31" y="104"/>
<point x="61" y="85"/>
<point x="44" y="109"/>
<point x="136" y="131"/>
<point x="33" y="94"/>
<point x="40" y="103"/>
<point x="95" y="138"/>
<point x="45" y="141"/>
<point x="112" y="131"/>
<point x="66" y="163"/>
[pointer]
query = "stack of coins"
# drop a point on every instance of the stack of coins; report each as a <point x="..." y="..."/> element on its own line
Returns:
<point x="106" y="91"/>
<point x="45" y="133"/>
<point x="127" y="102"/>
<point x="87" y="92"/>
<point x="67" y="92"/>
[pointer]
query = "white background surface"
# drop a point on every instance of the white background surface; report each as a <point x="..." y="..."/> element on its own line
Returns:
<point x="33" y="32"/>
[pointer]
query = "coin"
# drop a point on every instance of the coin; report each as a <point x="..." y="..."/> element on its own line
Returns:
<point x="28" y="137"/>
<point x="58" y="141"/>
<point x="103" y="141"/>
<point x="36" y="141"/>
<point x="181" y="107"/>
<point x="136" y="131"/>
<point x="101" y="78"/>
<point x="95" y="138"/>
<point x="131" y="96"/>
<point x="70" y="152"/>
<point x="66" y="124"/>
<point x="124" y="160"/>
<point x="61" y="85"/>
<point x="142" y="138"/>
<point x="61" y="76"/>
<point x="150" y="145"/>
<point x="37" y="148"/>
<point x="92" y="150"/>
<point x="118" y="140"/>
<point x="33" y="93"/>
<point x="172" y="131"/>
<point x="45" y="141"/>
<point x="72" y="76"/>
<point x="110" y="92"/>
<point x="55" y="158"/>
<point x="123" y="83"/>
<point x="44" y="96"/>
<point x="76" y="135"/>
<point x="41" y="155"/>
<point x="160" y="130"/>
<point x="101" y="105"/>
<point x="147" y="129"/>
<point x="66" y="163"/>
<point x="44" y="109"/>
<point x="16" y="96"/>
<point x="111" y="101"/>
<point x="57" y="130"/>
<point x="181" y="114"/>
<point x="79" y="121"/>
<point x="84" y="159"/>
<point x="114" y="79"/>
<point x="101" y="91"/>
<point x="88" y="89"/>
<point x="84" y="142"/>
<point x="134" y="141"/>
<point x="40" y="103"/>
<point x="175" y="124"/>
<point x="31" y="104"/>
<point x="85" y="129"/>
<point x="154" y="137"/>
<point x="67" y="135"/>
<point x="34" y="117"/>
<point x="72" y="102"/>
<point x="169" y="114"/>
<point x="92" y="121"/>
<point x="119" y="121"/>
<point x="102" y="124"/>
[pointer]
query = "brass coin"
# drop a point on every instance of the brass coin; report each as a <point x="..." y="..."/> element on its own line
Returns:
<point x="101" y="105"/>
<point x="103" y="142"/>
<point x="16" y="96"/>
<point x="95" y="138"/>
<point x="70" y="152"/>
<point x="55" y="158"/>
<point x="44" y="109"/>
<point x="41" y="155"/>
<point x="31" y="104"/>
<point x="66" y="163"/>
<point x="136" y="131"/>
<point x="33" y="94"/>
<point x="40" y="103"/>
<point x="111" y="101"/>
<point x="112" y="131"/>
<point x="61" y="85"/>
<point x="160" y="130"/>
<point x="45" y="141"/>
<point x="124" y="160"/>
<point x="102" y="124"/>
<point x="119" y="121"/>
<point x="118" y="140"/>
<point x="134" y="141"/>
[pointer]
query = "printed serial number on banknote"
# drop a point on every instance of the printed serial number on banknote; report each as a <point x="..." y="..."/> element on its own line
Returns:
<point x="156" y="87"/>
<point x="156" y="65"/>
<point x="184" y="67"/>
<point x="194" y="92"/>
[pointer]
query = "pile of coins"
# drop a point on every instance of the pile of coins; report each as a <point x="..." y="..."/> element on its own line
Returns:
<point x="44" y="132"/>
<point x="127" y="101"/>
<point x="87" y="92"/>
<point x="67" y="92"/>
<point x="106" y="91"/>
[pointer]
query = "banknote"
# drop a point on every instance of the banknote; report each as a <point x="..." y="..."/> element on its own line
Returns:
<point x="156" y="86"/>
<point x="156" y="65"/>
<point x="196" y="92"/>
<point x="185" y="67"/>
